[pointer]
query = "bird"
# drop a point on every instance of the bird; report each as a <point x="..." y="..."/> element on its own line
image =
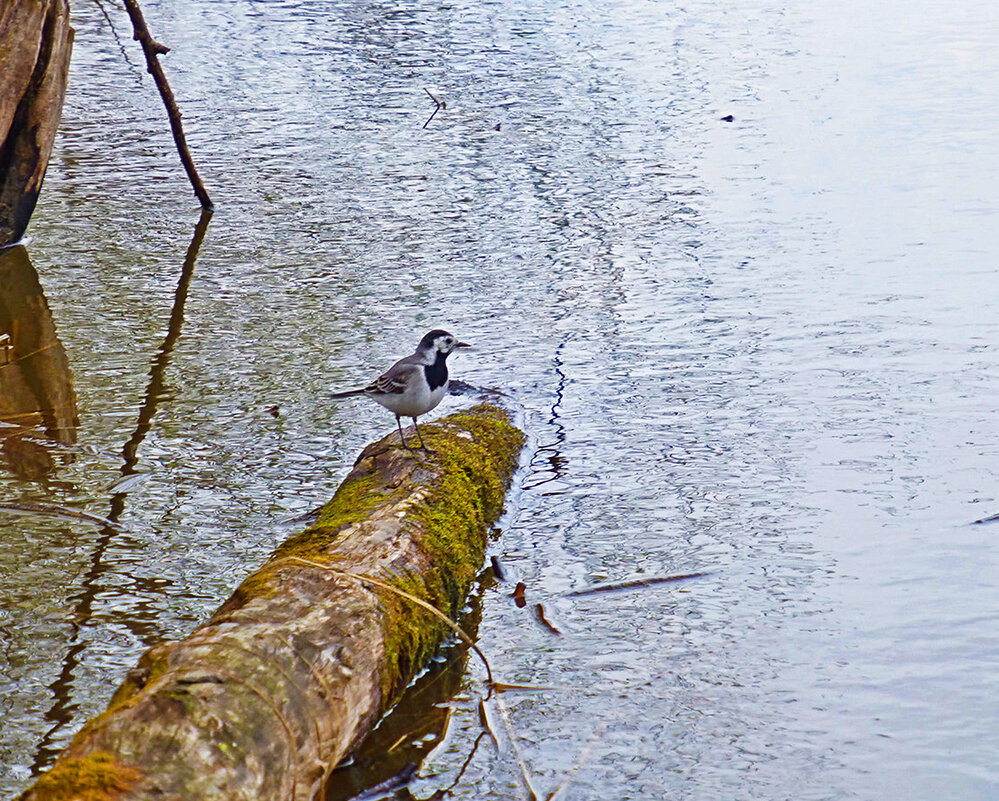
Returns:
<point x="415" y="384"/>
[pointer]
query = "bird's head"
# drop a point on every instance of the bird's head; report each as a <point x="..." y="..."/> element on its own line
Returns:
<point x="440" y="341"/>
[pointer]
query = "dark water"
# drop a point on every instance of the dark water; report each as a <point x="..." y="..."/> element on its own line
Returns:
<point x="766" y="349"/>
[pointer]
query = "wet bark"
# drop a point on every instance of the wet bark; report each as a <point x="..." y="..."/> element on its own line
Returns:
<point x="298" y="665"/>
<point x="35" y="44"/>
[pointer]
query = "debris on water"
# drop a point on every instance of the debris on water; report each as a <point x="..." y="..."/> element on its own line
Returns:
<point x="518" y="594"/>
<point x="57" y="511"/>
<point x="540" y="610"/>
<point x="638" y="584"/>
<point x="498" y="570"/>
<point x="274" y="411"/>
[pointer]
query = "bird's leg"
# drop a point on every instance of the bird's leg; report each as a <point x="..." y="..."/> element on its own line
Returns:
<point x="417" y="427"/>
<point x="398" y="422"/>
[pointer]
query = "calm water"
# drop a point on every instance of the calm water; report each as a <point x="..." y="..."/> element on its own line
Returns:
<point x="767" y="349"/>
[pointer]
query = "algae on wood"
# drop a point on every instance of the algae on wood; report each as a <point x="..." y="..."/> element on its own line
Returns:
<point x="298" y="665"/>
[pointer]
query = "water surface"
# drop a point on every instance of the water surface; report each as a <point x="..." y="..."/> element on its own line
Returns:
<point x="765" y="349"/>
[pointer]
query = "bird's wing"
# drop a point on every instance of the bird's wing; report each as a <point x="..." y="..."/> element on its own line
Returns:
<point x="396" y="379"/>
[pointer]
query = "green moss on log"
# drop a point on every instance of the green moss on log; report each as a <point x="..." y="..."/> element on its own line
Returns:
<point x="353" y="502"/>
<point x="95" y="777"/>
<point x="477" y="452"/>
<point x="412" y="634"/>
<point x="477" y="461"/>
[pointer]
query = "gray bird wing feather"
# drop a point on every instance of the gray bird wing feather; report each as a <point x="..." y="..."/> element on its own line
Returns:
<point x="396" y="379"/>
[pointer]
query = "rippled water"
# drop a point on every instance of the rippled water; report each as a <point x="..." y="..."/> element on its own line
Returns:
<point x="765" y="349"/>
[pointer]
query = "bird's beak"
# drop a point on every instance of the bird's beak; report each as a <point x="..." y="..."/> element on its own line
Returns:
<point x="463" y="345"/>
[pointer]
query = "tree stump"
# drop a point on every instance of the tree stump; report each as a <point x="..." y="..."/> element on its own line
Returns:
<point x="298" y="665"/>
<point x="35" y="44"/>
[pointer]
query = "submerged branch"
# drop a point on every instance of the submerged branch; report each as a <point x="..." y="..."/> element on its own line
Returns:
<point x="636" y="585"/>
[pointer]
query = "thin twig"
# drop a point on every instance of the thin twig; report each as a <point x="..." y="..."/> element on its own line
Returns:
<point x="152" y="50"/>
<point x="440" y="104"/>
<point x="525" y="773"/>
<point x="58" y="511"/>
<point x="634" y="585"/>
<point x="584" y="755"/>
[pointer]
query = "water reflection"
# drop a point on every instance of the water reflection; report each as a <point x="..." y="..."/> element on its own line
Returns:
<point x="388" y="758"/>
<point x="154" y="390"/>
<point x="774" y="349"/>
<point x="37" y="401"/>
<point x="548" y="464"/>
<point x="142" y="626"/>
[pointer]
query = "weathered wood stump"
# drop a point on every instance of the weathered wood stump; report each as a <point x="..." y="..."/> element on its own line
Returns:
<point x="35" y="44"/>
<point x="298" y="665"/>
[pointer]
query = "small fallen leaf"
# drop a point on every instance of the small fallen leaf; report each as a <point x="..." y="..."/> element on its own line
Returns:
<point x="518" y="595"/>
<point x="541" y="616"/>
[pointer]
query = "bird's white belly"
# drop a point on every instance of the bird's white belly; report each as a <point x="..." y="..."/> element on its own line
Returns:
<point x="414" y="401"/>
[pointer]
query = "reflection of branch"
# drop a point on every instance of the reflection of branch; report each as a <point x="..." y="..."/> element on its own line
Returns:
<point x="152" y="50"/>
<point x="584" y="756"/>
<point x="525" y="771"/>
<point x="61" y="713"/>
<point x="442" y="793"/>
<point x="554" y="449"/>
<point x="637" y="584"/>
<point x="154" y="390"/>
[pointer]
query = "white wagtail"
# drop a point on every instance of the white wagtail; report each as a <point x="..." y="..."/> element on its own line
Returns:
<point x="416" y="384"/>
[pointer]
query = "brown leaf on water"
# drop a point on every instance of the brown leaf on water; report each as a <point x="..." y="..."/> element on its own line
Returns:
<point x="540" y="610"/>
<point x="518" y="594"/>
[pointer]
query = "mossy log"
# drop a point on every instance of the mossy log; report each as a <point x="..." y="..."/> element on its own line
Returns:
<point x="35" y="44"/>
<point x="298" y="665"/>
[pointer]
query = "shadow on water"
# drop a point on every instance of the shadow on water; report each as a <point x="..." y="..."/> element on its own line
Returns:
<point x="62" y="711"/>
<point x="388" y="759"/>
<point x="38" y="415"/>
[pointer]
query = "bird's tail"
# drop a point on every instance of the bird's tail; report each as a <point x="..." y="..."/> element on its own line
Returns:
<point x="348" y="394"/>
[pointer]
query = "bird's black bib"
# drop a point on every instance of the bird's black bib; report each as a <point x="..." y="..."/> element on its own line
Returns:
<point x="436" y="373"/>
